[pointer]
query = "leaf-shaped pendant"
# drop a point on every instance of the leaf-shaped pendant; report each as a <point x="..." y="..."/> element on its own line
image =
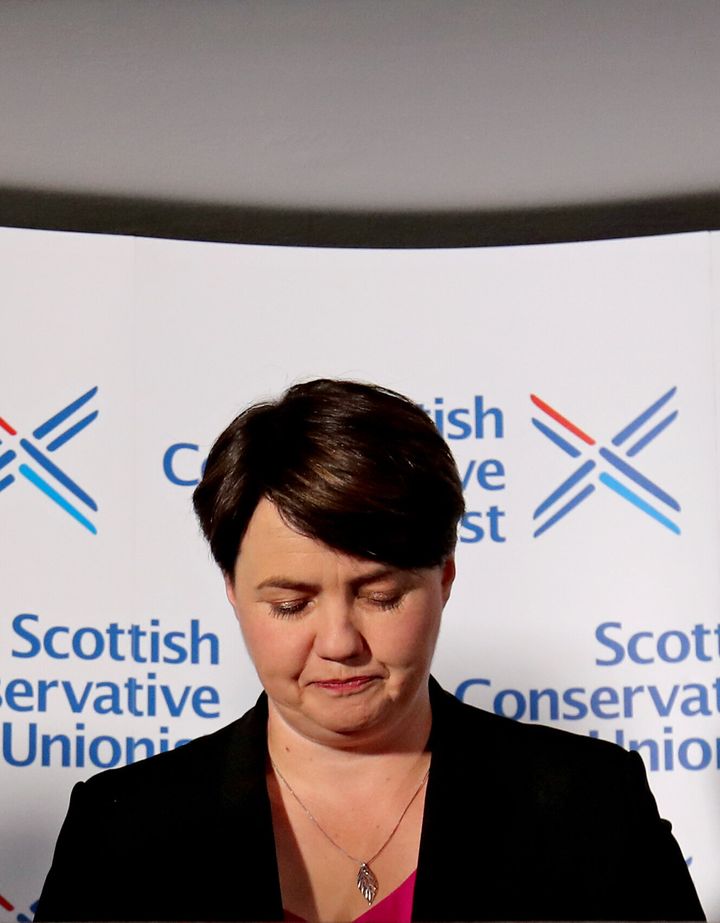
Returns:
<point x="367" y="883"/>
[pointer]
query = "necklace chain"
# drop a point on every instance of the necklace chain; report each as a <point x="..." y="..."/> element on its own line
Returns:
<point x="366" y="881"/>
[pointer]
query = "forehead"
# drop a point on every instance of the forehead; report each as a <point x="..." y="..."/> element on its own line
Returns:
<point x="268" y="533"/>
<point x="271" y="545"/>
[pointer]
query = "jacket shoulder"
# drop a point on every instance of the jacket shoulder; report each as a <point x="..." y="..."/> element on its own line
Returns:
<point x="199" y="764"/>
<point x="480" y="733"/>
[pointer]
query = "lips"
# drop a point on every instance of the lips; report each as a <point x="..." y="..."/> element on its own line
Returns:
<point x="351" y="684"/>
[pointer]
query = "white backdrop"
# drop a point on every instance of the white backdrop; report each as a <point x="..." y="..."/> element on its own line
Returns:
<point x="588" y="591"/>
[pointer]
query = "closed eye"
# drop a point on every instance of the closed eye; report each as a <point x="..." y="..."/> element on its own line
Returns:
<point x="289" y="608"/>
<point x="385" y="602"/>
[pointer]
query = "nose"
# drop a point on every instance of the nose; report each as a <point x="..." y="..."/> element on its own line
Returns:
<point x="338" y="636"/>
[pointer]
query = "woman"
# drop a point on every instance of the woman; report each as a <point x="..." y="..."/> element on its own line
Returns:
<point x="356" y="789"/>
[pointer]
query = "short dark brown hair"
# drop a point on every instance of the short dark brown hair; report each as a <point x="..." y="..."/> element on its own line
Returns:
<point x="355" y="466"/>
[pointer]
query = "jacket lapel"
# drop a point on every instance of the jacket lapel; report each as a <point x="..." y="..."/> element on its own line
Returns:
<point x="464" y="833"/>
<point x="255" y="885"/>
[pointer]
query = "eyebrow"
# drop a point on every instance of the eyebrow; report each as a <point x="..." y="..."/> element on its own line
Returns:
<point x="302" y="586"/>
<point x="284" y="583"/>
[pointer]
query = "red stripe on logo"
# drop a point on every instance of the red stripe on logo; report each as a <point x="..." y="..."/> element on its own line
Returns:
<point x="7" y="427"/>
<point x="6" y="904"/>
<point x="563" y="421"/>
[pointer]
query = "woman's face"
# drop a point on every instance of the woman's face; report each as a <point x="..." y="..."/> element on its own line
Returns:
<point x="342" y="645"/>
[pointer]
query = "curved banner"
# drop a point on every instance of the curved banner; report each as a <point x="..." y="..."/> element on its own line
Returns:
<point x="576" y="385"/>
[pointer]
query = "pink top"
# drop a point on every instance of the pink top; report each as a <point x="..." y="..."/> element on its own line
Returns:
<point x="395" y="908"/>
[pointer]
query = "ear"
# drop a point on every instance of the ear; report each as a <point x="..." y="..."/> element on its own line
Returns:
<point x="447" y="577"/>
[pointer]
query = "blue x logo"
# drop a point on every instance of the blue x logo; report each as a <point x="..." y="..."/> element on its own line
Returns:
<point x="628" y="443"/>
<point x="46" y="442"/>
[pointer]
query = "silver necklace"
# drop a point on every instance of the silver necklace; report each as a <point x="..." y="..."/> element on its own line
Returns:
<point x="367" y="883"/>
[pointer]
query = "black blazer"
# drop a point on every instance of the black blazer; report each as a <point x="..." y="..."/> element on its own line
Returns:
<point x="521" y="822"/>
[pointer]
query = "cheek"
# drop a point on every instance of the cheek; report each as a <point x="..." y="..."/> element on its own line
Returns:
<point x="412" y="638"/>
<point x="275" y="648"/>
<point x="255" y="637"/>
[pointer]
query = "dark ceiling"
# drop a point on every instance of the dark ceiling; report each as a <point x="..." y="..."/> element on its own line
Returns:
<point x="394" y="122"/>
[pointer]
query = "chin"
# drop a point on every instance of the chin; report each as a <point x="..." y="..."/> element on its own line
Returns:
<point x="352" y="721"/>
<point x="346" y="735"/>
